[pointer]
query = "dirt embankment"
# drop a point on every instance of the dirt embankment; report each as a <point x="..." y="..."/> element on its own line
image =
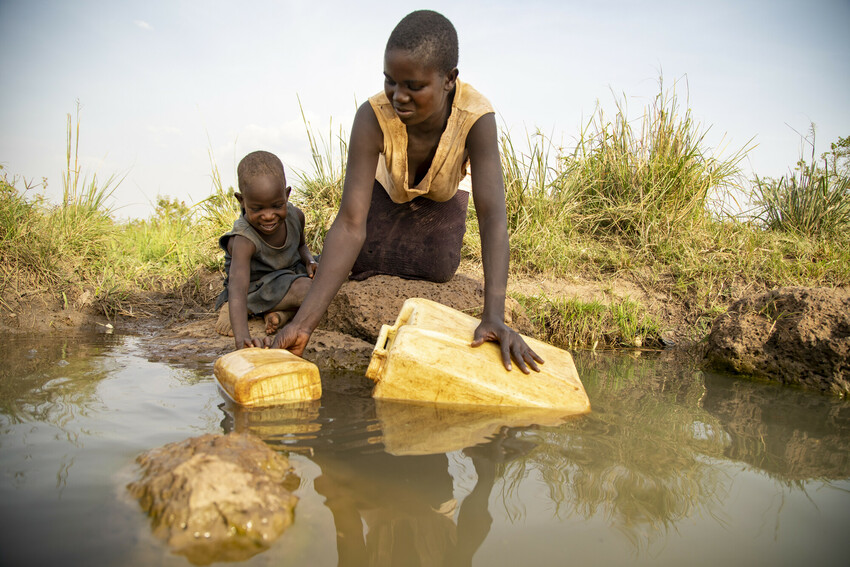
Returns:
<point x="181" y="324"/>
<point x="794" y="336"/>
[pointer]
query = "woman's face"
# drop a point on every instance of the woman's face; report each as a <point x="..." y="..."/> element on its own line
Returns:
<point x="417" y="91"/>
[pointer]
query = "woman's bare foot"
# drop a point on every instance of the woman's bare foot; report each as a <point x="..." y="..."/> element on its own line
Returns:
<point x="275" y="320"/>
<point x="222" y="326"/>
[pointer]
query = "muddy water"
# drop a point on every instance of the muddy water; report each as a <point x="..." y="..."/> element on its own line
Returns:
<point x="673" y="467"/>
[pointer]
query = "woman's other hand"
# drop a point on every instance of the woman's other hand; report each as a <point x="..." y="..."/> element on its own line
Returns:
<point x="511" y="344"/>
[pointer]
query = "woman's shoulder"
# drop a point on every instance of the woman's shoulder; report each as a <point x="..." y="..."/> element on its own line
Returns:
<point x="367" y="128"/>
<point x="378" y="109"/>
<point x="470" y="100"/>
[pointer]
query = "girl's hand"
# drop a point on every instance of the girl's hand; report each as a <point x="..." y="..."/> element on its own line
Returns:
<point x="511" y="343"/>
<point x="311" y="268"/>
<point x="248" y="342"/>
<point x="291" y="338"/>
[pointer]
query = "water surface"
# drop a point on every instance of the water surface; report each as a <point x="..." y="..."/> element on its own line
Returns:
<point x="673" y="467"/>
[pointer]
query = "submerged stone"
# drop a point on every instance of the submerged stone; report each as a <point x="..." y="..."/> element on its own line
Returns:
<point x="216" y="497"/>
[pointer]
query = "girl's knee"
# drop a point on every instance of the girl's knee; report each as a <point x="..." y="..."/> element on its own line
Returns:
<point x="299" y="288"/>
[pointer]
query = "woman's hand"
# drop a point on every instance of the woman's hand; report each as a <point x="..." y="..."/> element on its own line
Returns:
<point x="511" y="343"/>
<point x="290" y="337"/>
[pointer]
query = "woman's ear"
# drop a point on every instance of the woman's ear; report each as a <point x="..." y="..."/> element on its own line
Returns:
<point x="451" y="78"/>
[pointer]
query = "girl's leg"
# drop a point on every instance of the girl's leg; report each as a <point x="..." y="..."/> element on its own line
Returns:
<point x="222" y="326"/>
<point x="285" y="310"/>
<point x="276" y="319"/>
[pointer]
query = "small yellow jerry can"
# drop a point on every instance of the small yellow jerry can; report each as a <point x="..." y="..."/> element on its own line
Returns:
<point x="426" y="356"/>
<point x="259" y="377"/>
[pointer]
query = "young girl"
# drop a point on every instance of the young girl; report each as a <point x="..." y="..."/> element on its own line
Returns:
<point x="401" y="212"/>
<point x="268" y="265"/>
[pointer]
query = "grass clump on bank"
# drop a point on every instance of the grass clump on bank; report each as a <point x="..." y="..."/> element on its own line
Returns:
<point x="76" y="246"/>
<point x="650" y="184"/>
<point x="573" y="323"/>
<point x="51" y="247"/>
<point x="624" y="186"/>
<point x="812" y="201"/>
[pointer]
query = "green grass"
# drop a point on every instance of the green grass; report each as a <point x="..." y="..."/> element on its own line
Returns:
<point x="813" y="201"/>
<point x="646" y="181"/>
<point x="55" y="246"/>
<point x="319" y="192"/>
<point x="633" y="200"/>
<point x="572" y="323"/>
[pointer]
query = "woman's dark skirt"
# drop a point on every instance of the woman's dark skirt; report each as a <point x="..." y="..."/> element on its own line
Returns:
<point x="417" y="240"/>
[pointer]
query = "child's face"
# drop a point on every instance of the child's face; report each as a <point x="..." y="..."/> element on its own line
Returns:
<point x="264" y="201"/>
<point x="417" y="91"/>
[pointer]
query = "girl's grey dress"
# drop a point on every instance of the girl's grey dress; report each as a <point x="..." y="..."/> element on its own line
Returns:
<point x="272" y="269"/>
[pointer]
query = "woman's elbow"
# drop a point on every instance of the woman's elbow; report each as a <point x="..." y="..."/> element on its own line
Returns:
<point x="350" y="228"/>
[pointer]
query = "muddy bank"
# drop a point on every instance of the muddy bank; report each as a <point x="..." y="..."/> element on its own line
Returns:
<point x="798" y="337"/>
<point x="179" y="326"/>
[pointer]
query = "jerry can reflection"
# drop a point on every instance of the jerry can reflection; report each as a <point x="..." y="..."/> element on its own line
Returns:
<point x="426" y="356"/>
<point x="259" y="377"/>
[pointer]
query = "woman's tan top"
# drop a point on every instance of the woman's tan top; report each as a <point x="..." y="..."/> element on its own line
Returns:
<point x="449" y="166"/>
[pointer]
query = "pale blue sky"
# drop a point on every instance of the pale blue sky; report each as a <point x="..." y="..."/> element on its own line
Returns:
<point x="162" y="82"/>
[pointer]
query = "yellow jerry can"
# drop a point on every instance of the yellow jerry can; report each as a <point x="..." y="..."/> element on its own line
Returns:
<point x="426" y="356"/>
<point x="258" y="377"/>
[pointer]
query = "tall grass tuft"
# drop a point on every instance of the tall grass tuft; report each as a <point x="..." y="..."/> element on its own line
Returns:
<point x="220" y="209"/>
<point x="59" y="246"/>
<point x="16" y="212"/>
<point x="21" y="238"/>
<point x="541" y="208"/>
<point x="650" y="182"/>
<point x="814" y="201"/>
<point x="81" y="226"/>
<point x="320" y="192"/>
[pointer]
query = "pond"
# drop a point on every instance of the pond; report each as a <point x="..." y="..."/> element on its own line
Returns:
<point x="674" y="466"/>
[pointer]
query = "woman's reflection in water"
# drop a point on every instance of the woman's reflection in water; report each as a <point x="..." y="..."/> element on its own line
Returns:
<point x="408" y="506"/>
<point x="406" y="501"/>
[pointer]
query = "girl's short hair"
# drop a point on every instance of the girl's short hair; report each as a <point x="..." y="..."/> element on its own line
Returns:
<point x="259" y="163"/>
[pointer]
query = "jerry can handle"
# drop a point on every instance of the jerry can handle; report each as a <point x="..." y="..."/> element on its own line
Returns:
<point x="378" y="361"/>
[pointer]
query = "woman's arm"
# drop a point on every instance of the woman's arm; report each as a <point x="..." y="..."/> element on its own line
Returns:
<point x="346" y="235"/>
<point x="488" y="193"/>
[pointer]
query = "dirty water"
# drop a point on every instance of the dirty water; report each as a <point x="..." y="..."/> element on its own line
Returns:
<point x="674" y="466"/>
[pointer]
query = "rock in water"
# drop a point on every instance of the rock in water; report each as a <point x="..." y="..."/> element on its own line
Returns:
<point x="216" y="497"/>
<point x="792" y="335"/>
